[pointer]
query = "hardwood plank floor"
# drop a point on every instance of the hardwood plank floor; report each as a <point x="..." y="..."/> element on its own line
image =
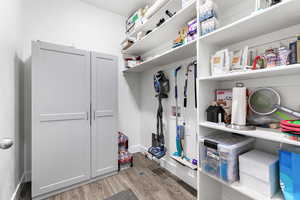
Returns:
<point x="146" y="179"/>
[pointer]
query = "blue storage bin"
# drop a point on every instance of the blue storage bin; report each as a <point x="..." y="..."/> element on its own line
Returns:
<point x="289" y="163"/>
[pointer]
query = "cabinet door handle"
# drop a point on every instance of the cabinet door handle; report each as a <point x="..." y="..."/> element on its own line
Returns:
<point x="94" y="115"/>
<point x="6" y="143"/>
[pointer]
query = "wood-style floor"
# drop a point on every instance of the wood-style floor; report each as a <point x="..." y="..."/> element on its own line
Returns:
<point x="146" y="179"/>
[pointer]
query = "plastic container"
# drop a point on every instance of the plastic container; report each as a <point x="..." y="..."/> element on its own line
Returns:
<point x="219" y="154"/>
<point x="209" y="25"/>
<point x="207" y="10"/>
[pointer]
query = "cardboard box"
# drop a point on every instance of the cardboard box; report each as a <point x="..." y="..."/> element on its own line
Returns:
<point x="224" y="99"/>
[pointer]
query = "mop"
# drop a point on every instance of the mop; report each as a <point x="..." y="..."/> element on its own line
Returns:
<point x="180" y="156"/>
<point x="179" y="129"/>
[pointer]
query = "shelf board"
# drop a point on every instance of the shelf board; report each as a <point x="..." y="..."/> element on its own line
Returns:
<point x="173" y="55"/>
<point x="256" y="24"/>
<point x="253" y="74"/>
<point x="184" y="162"/>
<point x="165" y="32"/>
<point x="243" y="190"/>
<point x="150" y="23"/>
<point x="262" y="133"/>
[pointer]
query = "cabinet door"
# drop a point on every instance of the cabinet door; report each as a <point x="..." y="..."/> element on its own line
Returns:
<point x="60" y="117"/>
<point x="104" y="109"/>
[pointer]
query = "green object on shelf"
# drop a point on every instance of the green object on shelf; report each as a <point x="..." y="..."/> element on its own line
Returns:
<point x="294" y="122"/>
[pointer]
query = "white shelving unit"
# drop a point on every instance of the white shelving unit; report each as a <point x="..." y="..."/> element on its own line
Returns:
<point x="246" y="26"/>
<point x="172" y="6"/>
<point x="243" y="190"/>
<point x="277" y="17"/>
<point x="173" y="55"/>
<point x="261" y="133"/>
<point x="254" y="74"/>
<point x="244" y="31"/>
<point x="165" y="32"/>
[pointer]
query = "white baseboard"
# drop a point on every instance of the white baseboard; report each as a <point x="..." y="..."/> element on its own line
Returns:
<point x="187" y="175"/>
<point x="27" y="177"/>
<point x="135" y="148"/>
<point x="143" y="149"/>
<point x="50" y="194"/>
<point x="16" y="194"/>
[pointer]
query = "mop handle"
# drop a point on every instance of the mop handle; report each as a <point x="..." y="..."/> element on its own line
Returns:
<point x="195" y="82"/>
<point x="186" y="86"/>
<point x="287" y="110"/>
<point x="185" y="93"/>
<point x="176" y="88"/>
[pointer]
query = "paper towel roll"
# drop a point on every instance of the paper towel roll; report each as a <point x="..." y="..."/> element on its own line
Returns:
<point x="239" y="105"/>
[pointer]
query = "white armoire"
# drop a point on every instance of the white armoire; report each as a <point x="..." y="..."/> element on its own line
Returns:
<point x="74" y="117"/>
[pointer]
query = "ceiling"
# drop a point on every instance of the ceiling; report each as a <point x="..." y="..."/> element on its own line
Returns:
<point x="121" y="7"/>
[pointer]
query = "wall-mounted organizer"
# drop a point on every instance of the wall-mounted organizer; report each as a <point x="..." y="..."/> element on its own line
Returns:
<point x="253" y="42"/>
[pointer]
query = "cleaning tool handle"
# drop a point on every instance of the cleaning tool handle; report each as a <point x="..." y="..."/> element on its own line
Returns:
<point x="185" y="102"/>
<point x="195" y="82"/>
<point x="185" y="87"/>
<point x="177" y="70"/>
<point x="185" y="93"/>
<point x="287" y="110"/>
<point x="176" y="88"/>
<point x="282" y="115"/>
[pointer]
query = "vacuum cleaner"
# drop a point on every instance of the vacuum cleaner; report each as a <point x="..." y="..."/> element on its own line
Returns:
<point x="180" y="156"/>
<point x="162" y="88"/>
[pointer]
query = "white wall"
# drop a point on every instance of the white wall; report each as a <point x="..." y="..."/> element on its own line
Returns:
<point x="11" y="161"/>
<point x="78" y="24"/>
<point x="148" y="117"/>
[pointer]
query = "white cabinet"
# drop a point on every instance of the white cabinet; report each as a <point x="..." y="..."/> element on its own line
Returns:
<point x="74" y="112"/>
<point x="104" y="111"/>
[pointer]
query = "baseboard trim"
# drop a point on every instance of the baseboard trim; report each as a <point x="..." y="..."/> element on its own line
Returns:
<point x="187" y="175"/>
<point x="27" y="177"/>
<point x="17" y="192"/>
<point x="135" y="148"/>
<point x="50" y="194"/>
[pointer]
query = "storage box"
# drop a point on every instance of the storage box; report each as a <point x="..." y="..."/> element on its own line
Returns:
<point x="289" y="173"/>
<point x="219" y="154"/>
<point x="259" y="172"/>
